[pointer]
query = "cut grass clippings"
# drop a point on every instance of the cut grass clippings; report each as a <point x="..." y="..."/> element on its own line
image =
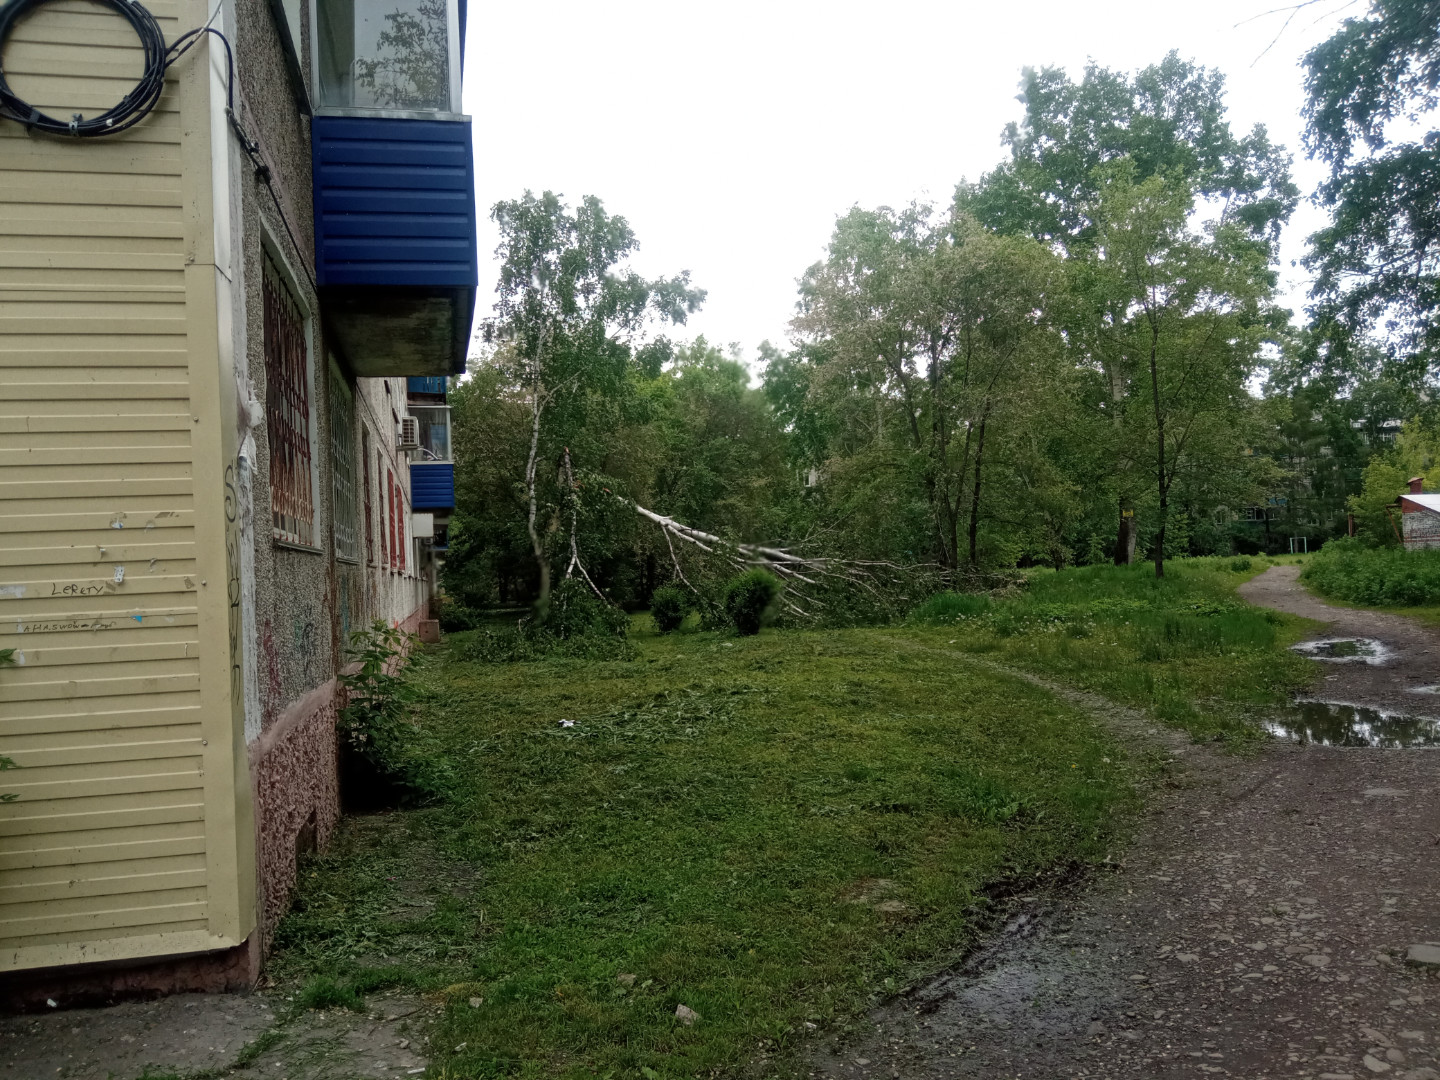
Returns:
<point x="773" y="832"/>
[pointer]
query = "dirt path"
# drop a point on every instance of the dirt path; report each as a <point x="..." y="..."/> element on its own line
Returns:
<point x="1259" y="926"/>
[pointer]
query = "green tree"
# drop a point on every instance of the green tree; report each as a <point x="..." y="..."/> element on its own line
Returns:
<point x="1167" y="122"/>
<point x="924" y="337"/>
<point x="1195" y="315"/>
<point x="572" y="319"/>
<point x="1376" y="262"/>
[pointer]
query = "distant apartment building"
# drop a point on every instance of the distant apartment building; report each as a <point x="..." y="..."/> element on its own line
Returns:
<point x="224" y="337"/>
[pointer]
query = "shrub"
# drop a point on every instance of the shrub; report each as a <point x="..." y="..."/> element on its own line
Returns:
<point x="1382" y="577"/>
<point x="668" y="608"/>
<point x="1242" y="564"/>
<point x="455" y="617"/>
<point x="750" y="600"/>
<point x="575" y="612"/>
<point x="375" y="729"/>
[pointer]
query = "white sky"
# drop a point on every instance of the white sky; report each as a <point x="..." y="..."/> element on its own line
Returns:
<point x="732" y="137"/>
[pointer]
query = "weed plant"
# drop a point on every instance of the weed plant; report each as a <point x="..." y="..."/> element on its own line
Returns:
<point x="1377" y="577"/>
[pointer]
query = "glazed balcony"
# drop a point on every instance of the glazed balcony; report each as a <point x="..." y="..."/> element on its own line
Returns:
<point x="394" y="185"/>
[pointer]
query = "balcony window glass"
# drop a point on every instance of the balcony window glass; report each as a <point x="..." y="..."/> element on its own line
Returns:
<point x="434" y="424"/>
<point x="384" y="54"/>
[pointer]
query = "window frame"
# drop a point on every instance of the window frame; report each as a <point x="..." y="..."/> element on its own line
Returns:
<point x="341" y="403"/>
<point x="382" y="499"/>
<point x="369" y="495"/>
<point x="454" y="59"/>
<point x="271" y="253"/>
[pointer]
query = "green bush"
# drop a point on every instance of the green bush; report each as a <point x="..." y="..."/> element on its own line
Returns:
<point x="1382" y="577"/>
<point x="1242" y="564"/>
<point x="950" y="607"/>
<point x="750" y="600"/>
<point x="668" y="608"/>
<point x="382" y="761"/>
<point x="454" y="616"/>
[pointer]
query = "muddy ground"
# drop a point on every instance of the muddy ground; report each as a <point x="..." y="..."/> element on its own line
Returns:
<point x="1259" y="927"/>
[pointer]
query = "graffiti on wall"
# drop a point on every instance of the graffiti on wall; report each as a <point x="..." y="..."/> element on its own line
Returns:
<point x="232" y="574"/>
<point x="303" y="639"/>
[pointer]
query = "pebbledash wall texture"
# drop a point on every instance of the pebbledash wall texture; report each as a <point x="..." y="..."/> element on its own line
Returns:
<point x="198" y="504"/>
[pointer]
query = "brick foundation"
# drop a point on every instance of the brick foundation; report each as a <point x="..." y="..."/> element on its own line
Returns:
<point x="294" y="767"/>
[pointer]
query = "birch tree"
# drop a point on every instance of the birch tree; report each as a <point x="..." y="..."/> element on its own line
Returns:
<point x="573" y="320"/>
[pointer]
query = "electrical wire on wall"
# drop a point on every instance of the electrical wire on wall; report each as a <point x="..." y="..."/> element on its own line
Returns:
<point x="142" y="99"/>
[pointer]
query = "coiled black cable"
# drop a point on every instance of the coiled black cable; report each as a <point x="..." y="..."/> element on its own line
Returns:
<point x="135" y="105"/>
<point x="138" y="103"/>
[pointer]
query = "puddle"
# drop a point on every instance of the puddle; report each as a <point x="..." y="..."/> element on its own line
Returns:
<point x="1334" y="723"/>
<point x="1346" y="650"/>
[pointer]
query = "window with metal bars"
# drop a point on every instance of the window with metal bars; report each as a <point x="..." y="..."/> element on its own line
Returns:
<point x="287" y="411"/>
<point x="369" y="512"/>
<point x="391" y="496"/>
<point x="342" y="468"/>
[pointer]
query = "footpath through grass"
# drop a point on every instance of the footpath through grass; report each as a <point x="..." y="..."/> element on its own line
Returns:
<point x="1184" y="647"/>
<point x="772" y="832"/>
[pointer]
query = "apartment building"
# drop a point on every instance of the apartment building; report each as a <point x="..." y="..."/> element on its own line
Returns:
<point x="210" y="317"/>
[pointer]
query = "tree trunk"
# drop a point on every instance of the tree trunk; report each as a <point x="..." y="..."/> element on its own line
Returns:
<point x="542" y="599"/>
<point x="975" y="495"/>
<point x="1125" y="538"/>
<point x="1164" y="488"/>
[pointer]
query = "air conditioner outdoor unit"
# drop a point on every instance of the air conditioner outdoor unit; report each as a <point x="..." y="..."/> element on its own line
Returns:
<point x="409" y="433"/>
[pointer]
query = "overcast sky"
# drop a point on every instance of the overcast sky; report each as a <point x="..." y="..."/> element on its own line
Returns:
<point x="732" y="136"/>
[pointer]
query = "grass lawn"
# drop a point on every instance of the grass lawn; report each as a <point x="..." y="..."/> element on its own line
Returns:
<point x="1184" y="647"/>
<point x="772" y="832"/>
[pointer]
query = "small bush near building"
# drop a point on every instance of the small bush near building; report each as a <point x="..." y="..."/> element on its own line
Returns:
<point x="374" y="722"/>
<point x="1380" y="577"/>
<point x="668" y="608"/>
<point x="750" y="600"/>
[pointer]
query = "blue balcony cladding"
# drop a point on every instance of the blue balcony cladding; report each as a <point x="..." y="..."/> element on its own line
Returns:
<point x="432" y="485"/>
<point x="394" y="202"/>
<point x="425" y="384"/>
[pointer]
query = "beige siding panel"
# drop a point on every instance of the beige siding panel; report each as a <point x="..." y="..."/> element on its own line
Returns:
<point x="111" y="851"/>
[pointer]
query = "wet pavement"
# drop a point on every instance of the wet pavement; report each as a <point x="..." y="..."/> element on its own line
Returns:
<point x="1258" y="927"/>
